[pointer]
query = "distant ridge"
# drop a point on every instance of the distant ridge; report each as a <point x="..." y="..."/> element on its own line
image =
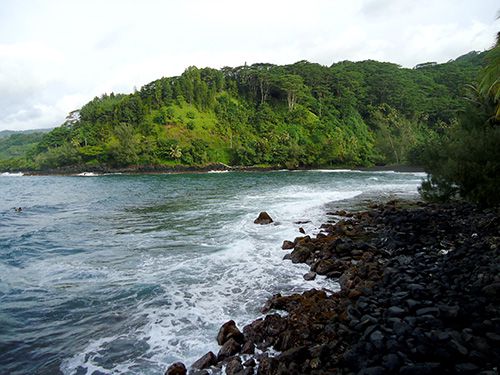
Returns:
<point x="7" y="133"/>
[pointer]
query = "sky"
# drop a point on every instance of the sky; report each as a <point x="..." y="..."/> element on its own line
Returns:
<point x="55" y="56"/>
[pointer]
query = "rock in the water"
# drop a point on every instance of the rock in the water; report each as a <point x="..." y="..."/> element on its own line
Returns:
<point x="230" y="348"/>
<point x="228" y="331"/>
<point x="263" y="218"/>
<point x="310" y="276"/>
<point x="287" y="245"/>
<point x="206" y="361"/>
<point x="177" y="368"/>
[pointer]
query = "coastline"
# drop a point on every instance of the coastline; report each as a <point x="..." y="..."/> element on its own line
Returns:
<point x="419" y="295"/>
<point x="215" y="167"/>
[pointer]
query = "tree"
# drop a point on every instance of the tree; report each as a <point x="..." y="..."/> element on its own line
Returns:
<point x="490" y="77"/>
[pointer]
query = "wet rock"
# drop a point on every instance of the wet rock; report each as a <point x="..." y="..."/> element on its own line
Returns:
<point x="326" y="266"/>
<point x="248" y="347"/>
<point x="234" y="367"/>
<point x="198" y="372"/>
<point x="230" y="348"/>
<point x="177" y="368"/>
<point x="250" y="363"/>
<point x="302" y="222"/>
<point x="206" y="361"/>
<point x="301" y="230"/>
<point x="310" y="276"/>
<point x="263" y="219"/>
<point x="300" y="254"/>
<point x="267" y="366"/>
<point x="287" y="245"/>
<point x="227" y="331"/>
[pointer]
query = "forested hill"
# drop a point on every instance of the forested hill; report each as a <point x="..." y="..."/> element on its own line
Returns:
<point x="303" y="114"/>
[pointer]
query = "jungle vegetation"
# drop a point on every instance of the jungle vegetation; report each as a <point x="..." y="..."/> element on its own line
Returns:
<point x="298" y="115"/>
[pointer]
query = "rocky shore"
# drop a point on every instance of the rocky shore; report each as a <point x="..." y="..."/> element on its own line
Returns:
<point x="160" y="169"/>
<point x="420" y="294"/>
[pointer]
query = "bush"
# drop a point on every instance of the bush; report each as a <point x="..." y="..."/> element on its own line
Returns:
<point x="466" y="162"/>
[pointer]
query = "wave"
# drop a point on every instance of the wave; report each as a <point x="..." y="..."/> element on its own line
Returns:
<point x="335" y="170"/>
<point x="9" y="174"/>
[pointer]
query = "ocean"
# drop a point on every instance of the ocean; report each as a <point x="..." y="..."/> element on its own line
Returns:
<point x="126" y="274"/>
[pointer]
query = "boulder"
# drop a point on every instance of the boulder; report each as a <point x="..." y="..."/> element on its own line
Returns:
<point x="300" y="254"/>
<point x="325" y="266"/>
<point x="229" y="331"/>
<point x="177" y="368"/>
<point x="287" y="245"/>
<point x="230" y="348"/>
<point x="310" y="276"/>
<point x="206" y="361"/>
<point x="263" y="218"/>
<point x="248" y="348"/>
<point x="234" y="367"/>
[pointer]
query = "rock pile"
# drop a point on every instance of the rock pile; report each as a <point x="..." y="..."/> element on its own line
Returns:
<point x="420" y="294"/>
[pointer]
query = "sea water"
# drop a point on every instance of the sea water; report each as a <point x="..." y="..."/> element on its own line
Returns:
<point x="126" y="274"/>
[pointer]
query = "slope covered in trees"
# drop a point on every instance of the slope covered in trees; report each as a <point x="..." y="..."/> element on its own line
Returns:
<point x="298" y="115"/>
<point x="465" y="161"/>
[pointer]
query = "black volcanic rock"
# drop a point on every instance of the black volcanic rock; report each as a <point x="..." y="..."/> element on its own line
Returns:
<point x="418" y="295"/>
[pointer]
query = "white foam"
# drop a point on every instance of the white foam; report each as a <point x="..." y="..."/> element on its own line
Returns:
<point x="10" y="174"/>
<point x="335" y="170"/>
<point x="87" y="174"/>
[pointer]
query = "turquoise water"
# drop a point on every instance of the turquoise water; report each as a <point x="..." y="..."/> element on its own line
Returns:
<point x="126" y="274"/>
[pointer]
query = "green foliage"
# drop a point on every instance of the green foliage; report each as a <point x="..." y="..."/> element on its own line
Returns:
<point x="465" y="161"/>
<point x="296" y="115"/>
<point x="18" y="145"/>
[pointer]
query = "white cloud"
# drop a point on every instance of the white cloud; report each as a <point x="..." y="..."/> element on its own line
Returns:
<point x="55" y="56"/>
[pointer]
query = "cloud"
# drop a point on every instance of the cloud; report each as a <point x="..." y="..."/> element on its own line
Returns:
<point x="56" y="56"/>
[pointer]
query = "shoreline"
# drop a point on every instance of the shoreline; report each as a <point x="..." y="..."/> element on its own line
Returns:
<point x="216" y="167"/>
<point x="419" y="295"/>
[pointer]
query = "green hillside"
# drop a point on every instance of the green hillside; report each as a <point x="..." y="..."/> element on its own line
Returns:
<point x="299" y="115"/>
<point x="19" y="144"/>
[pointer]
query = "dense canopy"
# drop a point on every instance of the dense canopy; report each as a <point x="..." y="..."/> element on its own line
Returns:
<point x="298" y="115"/>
